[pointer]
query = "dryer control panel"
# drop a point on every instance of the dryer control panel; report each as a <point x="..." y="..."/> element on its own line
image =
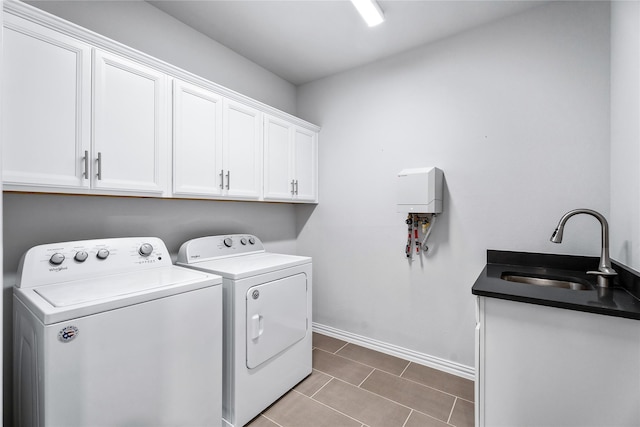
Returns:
<point x="65" y="261"/>
<point x="214" y="247"/>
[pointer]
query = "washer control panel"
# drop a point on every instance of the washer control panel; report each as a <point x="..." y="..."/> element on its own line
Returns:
<point x="212" y="247"/>
<point x="60" y="262"/>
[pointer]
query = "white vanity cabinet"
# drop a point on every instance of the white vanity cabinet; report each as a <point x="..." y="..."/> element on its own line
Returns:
<point x="547" y="366"/>
<point x="216" y="145"/>
<point x="290" y="161"/>
<point x="46" y="108"/>
<point x="130" y="127"/>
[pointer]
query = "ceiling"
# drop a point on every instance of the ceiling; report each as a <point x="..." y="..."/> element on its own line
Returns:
<point x="305" y="40"/>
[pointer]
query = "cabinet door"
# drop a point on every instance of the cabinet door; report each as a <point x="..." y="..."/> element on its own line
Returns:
<point x="306" y="164"/>
<point x="46" y="106"/>
<point x="242" y="151"/>
<point x="130" y="116"/>
<point x="565" y="358"/>
<point x="278" y="160"/>
<point x="197" y="141"/>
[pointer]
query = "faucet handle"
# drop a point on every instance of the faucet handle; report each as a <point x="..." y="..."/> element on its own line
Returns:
<point x="604" y="271"/>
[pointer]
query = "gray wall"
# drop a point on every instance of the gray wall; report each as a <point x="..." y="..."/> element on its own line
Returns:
<point x="625" y="132"/>
<point x="516" y="114"/>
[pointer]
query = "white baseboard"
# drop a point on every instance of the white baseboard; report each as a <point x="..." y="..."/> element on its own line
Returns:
<point x="393" y="350"/>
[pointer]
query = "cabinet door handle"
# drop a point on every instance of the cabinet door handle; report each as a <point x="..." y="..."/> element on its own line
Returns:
<point x="293" y="187"/>
<point x="296" y="187"/>
<point x="222" y="179"/>
<point x="86" y="164"/>
<point x="228" y="179"/>
<point x="99" y="166"/>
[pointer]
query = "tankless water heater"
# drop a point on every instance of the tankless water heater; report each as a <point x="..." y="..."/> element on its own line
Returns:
<point x="420" y="190"/>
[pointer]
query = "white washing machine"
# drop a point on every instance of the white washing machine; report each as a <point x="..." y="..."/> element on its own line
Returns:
<point x="109" y="333"/>
<point x="267" y="320"/>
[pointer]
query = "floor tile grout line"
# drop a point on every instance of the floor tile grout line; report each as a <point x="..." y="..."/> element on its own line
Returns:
<point x="405" y="368"/>
<point x="452" y="408"/>
<point x="434" y="388"/>
<point x="408" y="416"/>
<point x="366" y="378"/>
<point x="345" y="344"/>
<point x="330" y="407"/>
<point x="367" y="365"/>
<point x="323" y="386"/>
<point x="273" y="421"/>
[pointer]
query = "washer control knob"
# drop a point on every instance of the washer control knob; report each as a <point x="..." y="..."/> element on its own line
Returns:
<point x="252" y="240"/>
<point x="56" y="259"/>
<point x="103" y="253"/>
<point x="228" y="242"/>
<point x="145" y="249"/>
<point x="81" y="256"/>
<point x="243" y="241"/>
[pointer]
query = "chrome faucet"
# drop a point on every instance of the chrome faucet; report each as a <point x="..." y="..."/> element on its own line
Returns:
<point x="605" y="273"/>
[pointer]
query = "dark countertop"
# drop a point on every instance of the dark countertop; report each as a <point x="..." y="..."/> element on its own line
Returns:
<point x="621" y="300"/>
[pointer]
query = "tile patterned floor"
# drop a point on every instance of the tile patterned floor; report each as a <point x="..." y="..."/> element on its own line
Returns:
<point x="354" y="386"/>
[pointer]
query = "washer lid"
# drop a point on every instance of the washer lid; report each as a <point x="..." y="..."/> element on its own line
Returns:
<point x="243" y="266"/>
<point x="63" y="301"/>
<point x="83" y="291"/>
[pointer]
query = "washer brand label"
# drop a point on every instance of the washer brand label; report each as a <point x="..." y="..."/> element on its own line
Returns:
<point x="68" y="333"/>
<point x="58" y="268"/>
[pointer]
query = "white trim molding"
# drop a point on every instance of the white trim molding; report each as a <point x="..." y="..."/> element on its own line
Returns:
<point x="448" y="366"/>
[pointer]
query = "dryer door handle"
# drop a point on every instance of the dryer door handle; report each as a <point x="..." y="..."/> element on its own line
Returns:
<point x="257" y="326"/>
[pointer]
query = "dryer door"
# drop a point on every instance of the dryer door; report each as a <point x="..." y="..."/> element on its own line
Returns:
<point x="276" y="317"/>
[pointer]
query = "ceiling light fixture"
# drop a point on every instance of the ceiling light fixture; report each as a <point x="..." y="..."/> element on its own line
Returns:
<point x="370" y="11"/>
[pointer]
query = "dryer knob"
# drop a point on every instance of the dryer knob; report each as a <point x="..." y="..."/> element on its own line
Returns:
<point x="103" y="254"/>
<point x="252" y="240"/>
<point x="228" y="242"/>
<point x="56" y="259"/>
<point x="243" y="241"/>
<point x="81" y="256"/>
<point x="145" y="249"/>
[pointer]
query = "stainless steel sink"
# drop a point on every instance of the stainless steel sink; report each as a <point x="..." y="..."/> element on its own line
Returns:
<point x="555" y="282"/>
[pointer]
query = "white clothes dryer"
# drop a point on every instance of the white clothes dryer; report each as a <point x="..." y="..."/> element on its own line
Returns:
<point x="109" y="333"/>
<point x="266" y="320"/>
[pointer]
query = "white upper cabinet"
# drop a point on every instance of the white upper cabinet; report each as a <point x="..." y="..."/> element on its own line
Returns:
<point x="279" y="183"/>
<point x="242" y="150"/>
<point x="216" y="145"/>
<point x="305" y="146"/>
<point x="290" y="162"/>
<point x="84" y="114"/>
<point x="46" y="108"/>
<point x="130" y="123"/>
<point x="197" y="141"/>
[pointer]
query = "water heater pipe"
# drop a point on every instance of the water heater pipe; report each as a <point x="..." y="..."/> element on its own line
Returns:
<point x="423" y="244"/>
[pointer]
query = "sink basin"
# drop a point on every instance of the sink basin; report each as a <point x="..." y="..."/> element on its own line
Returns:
<point x="554" y="282"/>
